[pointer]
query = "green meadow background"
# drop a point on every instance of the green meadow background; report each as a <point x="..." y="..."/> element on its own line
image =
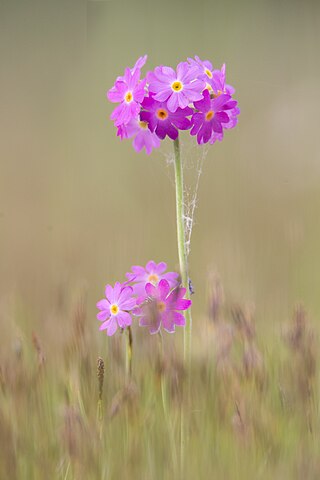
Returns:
<point x="78" y="207"/>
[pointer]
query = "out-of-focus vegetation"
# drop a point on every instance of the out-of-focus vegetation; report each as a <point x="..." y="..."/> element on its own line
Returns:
<point x="252" y="413"/>
<point x="78" y="208"/>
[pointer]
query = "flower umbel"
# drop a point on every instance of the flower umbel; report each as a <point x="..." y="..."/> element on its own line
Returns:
<point x="161" y="105"/>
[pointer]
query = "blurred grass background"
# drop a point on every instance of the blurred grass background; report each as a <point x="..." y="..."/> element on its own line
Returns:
<point x="78" y="208"/>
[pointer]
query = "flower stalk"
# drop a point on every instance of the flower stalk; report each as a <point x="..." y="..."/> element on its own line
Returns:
<point x="129" y="353"/>
<point x="182" y="252"/>
<point x="183" y="262"/>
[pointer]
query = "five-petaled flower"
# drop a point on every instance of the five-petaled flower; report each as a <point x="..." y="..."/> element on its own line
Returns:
<point x="130" y="92"/>
<point x="162" y="307"/>
<point x="163" y="122"/>
<point x="151" y="273"/>
<point x="115" y="308"/>
<point x="178" y="88"/>
<point x="211" y="115"/>
<point x="142" y="135"/>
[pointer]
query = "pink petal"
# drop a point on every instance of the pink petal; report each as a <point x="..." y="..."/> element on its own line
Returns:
<point x="173" y="102"/>
<point x="151" y="290"/>
<point x="176" y="294"/>
<point x="151" y="266"/>
<point x="182" y="304"/>
<point x="155" y="328"/>
<point x="106" y="324"/>
<point x="112" y="328"/>
<point x="163" y="95"/>
<point x="138" y="270"/>
<point x="160" y="268"/>
<point x="165" y="73"/>
<point x="128" y="304"/>
<point x="144" y="321"/>
<point x="124" y="319"/>
<point x="116" y="291"/>
<point x="204" y="104"/>
<point x="172" y="278"/>
<point x="167" y="322"/>
<point x="103" y="305"/>
<point x="179" y="319"/>
<point x="125" y="294"/>
<point x="109" y="293"/>
<point x="164" y="289"/>
<point x="102" y="316"/>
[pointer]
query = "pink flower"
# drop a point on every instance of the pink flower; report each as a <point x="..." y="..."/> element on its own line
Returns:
<point x="130" y="92"/>
<point x="143" y="137"/>
<point x="114" y="310"/>
<point x="163" y="122"/>
<point x="161" y="307"/>
<point x="211" y="116"/>
<point x="218" y="83"/>
<point x="205" y="68"/>
<point x="138" y="65"/>
<point x="177" y="88"/>
<point x="151" y="273"/>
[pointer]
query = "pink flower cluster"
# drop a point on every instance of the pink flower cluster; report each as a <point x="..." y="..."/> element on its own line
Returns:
<point x="193" y="97"/>
<point x="151" y="294"/>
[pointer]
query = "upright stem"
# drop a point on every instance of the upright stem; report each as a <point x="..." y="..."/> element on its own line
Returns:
<point x="129" y="353"/>
<point x="181" y="236"/>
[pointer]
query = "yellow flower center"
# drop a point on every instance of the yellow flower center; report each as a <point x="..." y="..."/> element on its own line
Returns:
<point x="208" y="87"/>
<point x="161" y="306"/>
<point x="143" y="125"/>
<point x="162" y="114"/>
<point x="176" y="86"/>
<point x="216" y="95"/>
<point x="209" y="74"/>
<point x="128" y="97"/>
<point x="153" y="278"/>
<point x="209" y="115"/>
<point x="114" y="309"/>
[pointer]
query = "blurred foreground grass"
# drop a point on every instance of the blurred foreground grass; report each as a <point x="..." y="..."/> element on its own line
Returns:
<point x="253" y="408"/>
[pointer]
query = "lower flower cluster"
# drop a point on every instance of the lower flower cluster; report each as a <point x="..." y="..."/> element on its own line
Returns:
<point x="150" y="294"/>
<point x="193" y="97"/>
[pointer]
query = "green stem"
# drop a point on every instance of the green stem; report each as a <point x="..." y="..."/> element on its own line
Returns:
<point x="181" y="237"/>
<point x="129" y="353"/>
<point x="165" y="405"/>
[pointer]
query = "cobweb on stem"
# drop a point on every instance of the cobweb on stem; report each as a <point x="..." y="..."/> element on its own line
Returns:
<point x="193" y="157"/>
